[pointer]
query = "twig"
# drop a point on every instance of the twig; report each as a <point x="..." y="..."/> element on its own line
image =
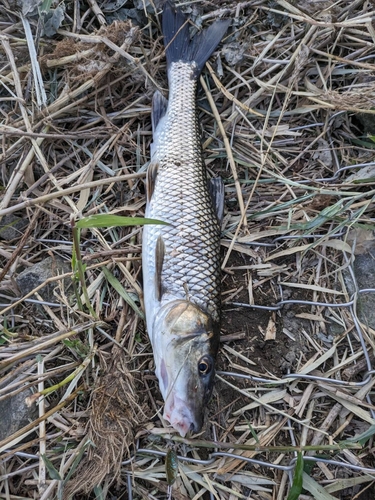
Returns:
<point x="88" y="185"/>
<point x="228" y="151"/>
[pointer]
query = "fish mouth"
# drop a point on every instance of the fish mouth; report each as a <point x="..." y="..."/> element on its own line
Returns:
<point x="180" y="416"/>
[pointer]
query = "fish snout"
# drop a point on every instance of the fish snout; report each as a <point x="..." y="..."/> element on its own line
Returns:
<point x="181" y="417"/>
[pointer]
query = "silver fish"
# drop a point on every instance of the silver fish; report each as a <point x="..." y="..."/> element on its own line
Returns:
<point x="181" y="260"/>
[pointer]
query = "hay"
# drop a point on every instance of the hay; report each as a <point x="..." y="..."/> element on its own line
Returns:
<point x="114" y="419"/>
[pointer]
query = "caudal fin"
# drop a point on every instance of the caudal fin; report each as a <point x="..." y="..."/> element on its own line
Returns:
<point x="179" y="46"/>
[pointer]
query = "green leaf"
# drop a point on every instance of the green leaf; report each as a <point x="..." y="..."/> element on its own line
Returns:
<point x="365" y="144"/>
<point x="107" y="220"/>
<point x="121" y="290"/>
<point x="368" y="227"/>
<point x="252" y="430"/>
<point x="137" y="337"/>
<point x="74" y="261"/>
<point x="46" y="6"/>
<point x="171" y="467"/>
<point x="316" y="489"/>
<point x="367" y="180"/>
<point x="52" y="472"/>
<point x="77" y="460"/>
<point x="342" y="484"/>
<point x="296" y="488"/>
<point x="310" y="464"/>
<point x="98" y="492"/>
<point x="362" y="438"/>
<point x="77" y="346"/>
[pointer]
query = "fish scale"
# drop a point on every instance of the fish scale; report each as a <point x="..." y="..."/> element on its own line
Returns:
<point x="182" y="199"/>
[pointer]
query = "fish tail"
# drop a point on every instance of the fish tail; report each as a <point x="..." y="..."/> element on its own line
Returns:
<point x="179" y="46"/>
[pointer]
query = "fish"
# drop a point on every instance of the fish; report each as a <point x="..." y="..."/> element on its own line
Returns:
<point x="181" y="259"/>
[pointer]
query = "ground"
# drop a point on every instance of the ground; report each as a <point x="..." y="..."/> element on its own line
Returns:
<point x="286" y="111"/>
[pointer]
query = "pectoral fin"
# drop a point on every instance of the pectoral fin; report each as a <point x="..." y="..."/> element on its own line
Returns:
<point x="159" y="261"/>
<point x="152" y="172"/>
<point x="159" y="108"/>
<point x="216" y="189"/>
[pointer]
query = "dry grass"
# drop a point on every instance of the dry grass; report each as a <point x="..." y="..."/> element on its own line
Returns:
<point x="285" y="131"/>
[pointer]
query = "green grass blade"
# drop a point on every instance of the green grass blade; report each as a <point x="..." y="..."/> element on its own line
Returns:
<point x="52" y="472"/>
<point x="108" y="220"/>
<point x="252" y="430"/>
<point x="98" y="492"/>
<point x="46" y="6"/>
<point x="121" y="290"/>
<point x="296" y="488"/>
<point x="362" y="438"/>
<point x="77" y="460"/>
<point x="79" y="269"/>
<point x="316" y="489"/>
<point x="364" y="144"/>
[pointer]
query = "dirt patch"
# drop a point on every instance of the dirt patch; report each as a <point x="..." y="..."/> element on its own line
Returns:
<point x="271" y="357"/>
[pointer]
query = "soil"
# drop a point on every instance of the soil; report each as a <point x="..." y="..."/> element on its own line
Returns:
<point x="271" y="357"/>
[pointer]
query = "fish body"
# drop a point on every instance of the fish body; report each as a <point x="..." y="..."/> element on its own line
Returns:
<point x="181" y="260"/>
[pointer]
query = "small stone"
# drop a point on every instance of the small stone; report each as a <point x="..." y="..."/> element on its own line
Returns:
<point x="12" y="227"/>
<point x="368" y="123"/>
<point x="52" y="20"/>
<point x="37" y="274"/>
<point x="14" y="413"/>
<point x="234" y="52"/>
<point x="362" y="239"/>
<point x="323" y="153"/>
<point x="364" y="272"/>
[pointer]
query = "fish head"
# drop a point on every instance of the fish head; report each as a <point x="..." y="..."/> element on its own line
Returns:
<point x="184" y="355"/>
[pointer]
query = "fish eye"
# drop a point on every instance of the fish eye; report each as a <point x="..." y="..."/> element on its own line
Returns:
<point x="205" y="365"/>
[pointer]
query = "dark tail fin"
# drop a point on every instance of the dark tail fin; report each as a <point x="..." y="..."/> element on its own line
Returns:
<point x="177" y="41"/>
